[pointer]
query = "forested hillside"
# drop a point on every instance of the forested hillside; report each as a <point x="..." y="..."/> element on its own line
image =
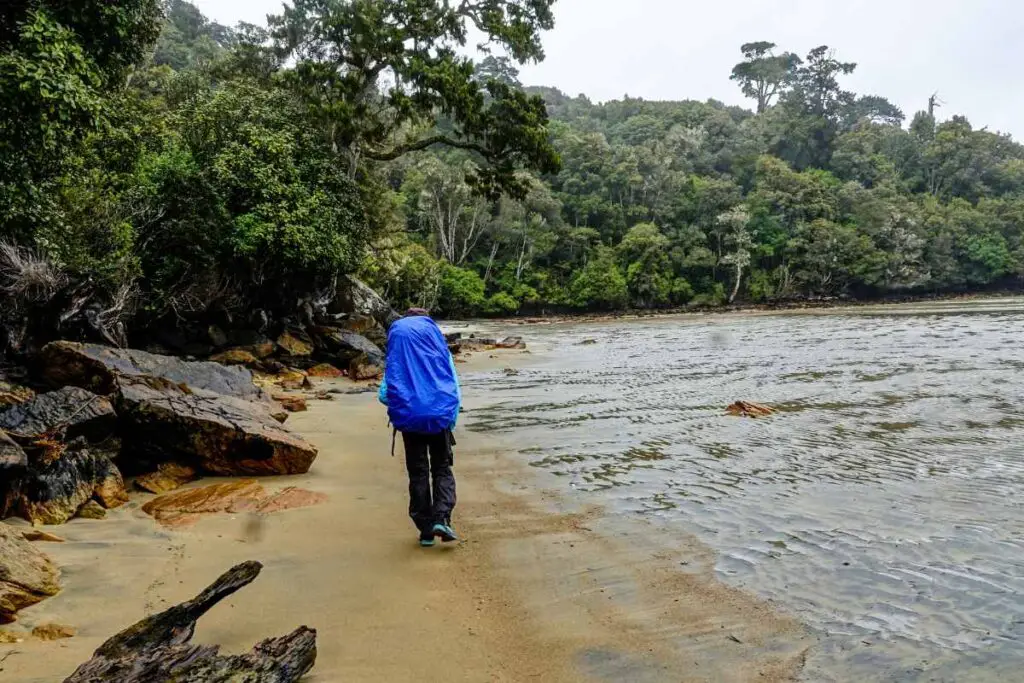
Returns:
<point x="193" y="170"/>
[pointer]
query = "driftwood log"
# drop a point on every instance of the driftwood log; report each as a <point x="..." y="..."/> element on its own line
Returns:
<point x="158" y="648"/>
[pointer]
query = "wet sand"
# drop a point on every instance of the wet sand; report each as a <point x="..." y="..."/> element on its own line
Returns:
<point x="538" y="590"/>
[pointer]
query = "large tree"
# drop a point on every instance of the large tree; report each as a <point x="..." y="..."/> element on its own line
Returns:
<point x="763" y="75"/>
<point x="386" y="77"/>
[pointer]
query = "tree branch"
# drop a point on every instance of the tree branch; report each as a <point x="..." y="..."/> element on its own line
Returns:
<point x="419" y="145"/>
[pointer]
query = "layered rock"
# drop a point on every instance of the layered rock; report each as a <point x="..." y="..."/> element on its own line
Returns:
<point x="221" y="434"/>
<point x="198" y="413"/>
<point x="70" y="412"/>
<point x="99" y="369"/>
<point x="27" y="576"/>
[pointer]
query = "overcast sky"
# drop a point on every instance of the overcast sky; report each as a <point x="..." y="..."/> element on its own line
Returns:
<point x="970" y="51"/>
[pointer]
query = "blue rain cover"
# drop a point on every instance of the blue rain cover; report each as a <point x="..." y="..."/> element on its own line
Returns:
<point x="422" y="388"/>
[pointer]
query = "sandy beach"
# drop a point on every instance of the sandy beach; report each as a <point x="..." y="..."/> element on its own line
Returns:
<point x="538" y="589"/>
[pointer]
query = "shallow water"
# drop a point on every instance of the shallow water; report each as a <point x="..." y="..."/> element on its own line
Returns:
<point x="881" y="505"/>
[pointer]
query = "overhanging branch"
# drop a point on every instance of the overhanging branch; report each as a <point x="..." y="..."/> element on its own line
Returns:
<point x="419" y="145"/>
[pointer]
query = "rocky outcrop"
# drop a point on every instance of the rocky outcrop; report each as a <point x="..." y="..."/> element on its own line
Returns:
<point x="204" y="414"/>
<point x="345" y="345"/>
<point x="69" y="413"/>
<point x="99" y="369"/>
<point x="158" y="649"/>
<point x="27" y="576"/>
<point x="57" y="483"/>
<point x="355" y="297"/>
<point x="183" y="508"/>
<point x="294" y="347"/>
<point x="220" y="434"/>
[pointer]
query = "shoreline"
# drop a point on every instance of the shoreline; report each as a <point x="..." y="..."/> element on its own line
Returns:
<point x="541" y="588"/>
<point x="780" y="308"/>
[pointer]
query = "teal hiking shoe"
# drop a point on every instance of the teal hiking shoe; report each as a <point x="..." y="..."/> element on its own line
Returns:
<point x="445" y="532"/>
<point x="427" y="539"/>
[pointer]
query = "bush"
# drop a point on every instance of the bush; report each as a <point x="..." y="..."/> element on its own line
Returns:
<point x="601" y="283"/>
<point x="462" y="292"/>
<point x="501" y="303"/>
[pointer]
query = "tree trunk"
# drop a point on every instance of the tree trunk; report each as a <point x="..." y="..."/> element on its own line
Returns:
<point x="736" y="287"/>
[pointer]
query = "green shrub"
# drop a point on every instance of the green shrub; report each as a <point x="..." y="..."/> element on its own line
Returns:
<point x="461" y="293"/>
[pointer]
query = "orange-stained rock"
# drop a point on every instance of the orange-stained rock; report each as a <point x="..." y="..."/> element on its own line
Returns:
<point x="27" y="576"/>
<point x="237" y="357"/>
<point x="749" y="409"/>
<point x="293" y="346"/>
<point x="364" y="367"/>
<point x="325" y="370"/>
<point x="168" y="477"/>
<point x="184" y="508"/>
<point x="54" y="632"/>
<point x="293" y="403"/>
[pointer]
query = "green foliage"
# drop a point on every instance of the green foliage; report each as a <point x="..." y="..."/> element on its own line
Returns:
<point x="59" y="62"/>
<point x="461" y="291"/>
<point x="342" y="48"/>
<point x="600" y="283"/>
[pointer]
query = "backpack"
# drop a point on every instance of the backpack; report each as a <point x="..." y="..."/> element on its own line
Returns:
<point x="422" y="387"/>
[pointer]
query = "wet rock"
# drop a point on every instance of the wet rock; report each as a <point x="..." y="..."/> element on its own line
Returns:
<point x="749" y="409"/>
<point x="293" y="403"/>
<point x="294" y="347"/>
<point x="27" y="576"/>
<point x="157" y="649"/>
<point x="511" y="343"/>
<point x="35" y="535"/>
<point x="100" y="368"/>
<point x="184" y="508"/>
<point x="54" y="632"/>
<point x="220" y="434"/>
<point x="325" y="370"/>
<point x="168" y="477"/>
<point x="346" y="345"/>
<point x="587" y="342"/>
<point x="365" y="367"/>
<point x="91" y="510"/>
<point x="69" y="412"/>
<point x="52" y="490"/>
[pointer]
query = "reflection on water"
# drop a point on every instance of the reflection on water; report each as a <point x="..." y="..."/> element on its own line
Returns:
<point x="882" y="503"/>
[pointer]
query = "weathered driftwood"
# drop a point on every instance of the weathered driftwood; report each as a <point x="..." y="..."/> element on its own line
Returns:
<point x="157" y="649"/>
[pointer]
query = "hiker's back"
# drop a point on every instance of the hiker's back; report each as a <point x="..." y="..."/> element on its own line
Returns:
<point x="422" y="388"/>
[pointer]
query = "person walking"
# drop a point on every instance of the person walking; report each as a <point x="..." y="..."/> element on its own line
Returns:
<point x="421" y="391"/>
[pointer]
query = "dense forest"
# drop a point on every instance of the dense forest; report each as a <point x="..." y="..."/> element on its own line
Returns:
<point x="157" y="167"/>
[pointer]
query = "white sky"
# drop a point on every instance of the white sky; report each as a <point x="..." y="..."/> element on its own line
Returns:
<point x="970" y="51"/>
